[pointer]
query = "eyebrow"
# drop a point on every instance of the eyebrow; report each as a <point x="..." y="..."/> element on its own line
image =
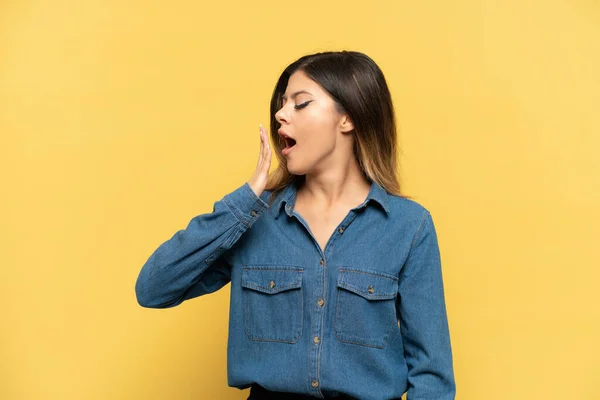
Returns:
<point x="296" y="93"/>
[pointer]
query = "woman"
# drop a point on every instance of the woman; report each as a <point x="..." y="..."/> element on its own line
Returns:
<point x="336" y="282"/>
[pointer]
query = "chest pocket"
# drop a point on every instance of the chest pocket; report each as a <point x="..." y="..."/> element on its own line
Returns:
<point x="273" y="303"/>
<point x="365" y="310"/>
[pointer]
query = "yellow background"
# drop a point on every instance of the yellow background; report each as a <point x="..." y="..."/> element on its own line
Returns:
<point x="120" y="121"/>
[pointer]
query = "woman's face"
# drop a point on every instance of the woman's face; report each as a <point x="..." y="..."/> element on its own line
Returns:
<point x="308" y="115"/>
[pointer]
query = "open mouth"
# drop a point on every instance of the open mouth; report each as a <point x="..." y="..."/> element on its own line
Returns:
<point x="289" y="143"/>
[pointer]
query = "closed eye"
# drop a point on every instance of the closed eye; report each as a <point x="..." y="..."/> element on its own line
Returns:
<point x="299" y="106"/>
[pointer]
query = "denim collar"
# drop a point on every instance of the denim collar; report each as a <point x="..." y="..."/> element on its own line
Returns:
<point x="288" y="196"/>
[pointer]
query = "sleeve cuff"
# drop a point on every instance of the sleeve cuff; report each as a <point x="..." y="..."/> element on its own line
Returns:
<point x="245" y="204"/>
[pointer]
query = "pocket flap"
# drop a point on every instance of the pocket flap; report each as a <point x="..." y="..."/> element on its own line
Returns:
<point x="272" y="280"/>
<point x="372" y="285"/>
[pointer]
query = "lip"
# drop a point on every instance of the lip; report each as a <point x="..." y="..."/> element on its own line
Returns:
<point x="282" y="133"/>
<point x="287" y="150"/>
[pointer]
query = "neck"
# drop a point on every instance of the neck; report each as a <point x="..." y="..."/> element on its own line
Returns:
<point x="335" y="187"/>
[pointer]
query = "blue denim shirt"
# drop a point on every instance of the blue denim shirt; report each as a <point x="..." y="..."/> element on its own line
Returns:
<point x="364" y="317"/>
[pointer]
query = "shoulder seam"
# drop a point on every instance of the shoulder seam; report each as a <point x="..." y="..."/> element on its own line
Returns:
<point x="425" y="212"/>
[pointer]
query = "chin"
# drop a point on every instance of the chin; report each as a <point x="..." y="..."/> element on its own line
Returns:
<point x="294" y="171"/>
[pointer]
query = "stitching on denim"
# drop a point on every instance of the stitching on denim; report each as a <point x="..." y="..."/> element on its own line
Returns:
<point x="265" y="290"/>
<point x="257" y="200"/>
<point x="425" y="212"/>
<point x="367" y="344"/>
<point x="301" y="316"/>
<point x="323" y="312"/>
<point x="238" y="216"/>
<point x="366" y="295"/>
<point x="252" y="285"/>
<point x="297" y="270"/>
<point x="374" y="273"/>
<point x="369" y="296"/>
<point x="267" y="268"/>
<point x="222" y="247"/>
<point x="335" y="329"/>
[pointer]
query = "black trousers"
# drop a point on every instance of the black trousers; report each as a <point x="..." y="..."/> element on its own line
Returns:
<point x="258" y="392"/>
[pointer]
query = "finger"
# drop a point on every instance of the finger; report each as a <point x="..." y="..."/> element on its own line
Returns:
<point x="266" y="139"/>
<point x="262" y="142"/>
<point x="267" y="159"/>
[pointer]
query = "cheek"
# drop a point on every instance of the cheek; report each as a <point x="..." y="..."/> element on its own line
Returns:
<point x="317" y="121"/>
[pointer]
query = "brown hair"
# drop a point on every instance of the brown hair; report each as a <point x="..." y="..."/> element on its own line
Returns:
<point x="359" y="89"/>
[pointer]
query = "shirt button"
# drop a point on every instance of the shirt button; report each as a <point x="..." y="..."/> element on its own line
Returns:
<point x="272" y="284"/>
<point x="370" y="290"/>
<point x="320" y="302"/>
<point x="253" y="213"/>
<point x="315" y="384"/>
<point x="316" y="339"/>
<point x="322" y="262"/>
<point x="341" y="230"/>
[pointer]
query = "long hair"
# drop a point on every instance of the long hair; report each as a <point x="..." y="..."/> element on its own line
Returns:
<point x="359" y="89"/>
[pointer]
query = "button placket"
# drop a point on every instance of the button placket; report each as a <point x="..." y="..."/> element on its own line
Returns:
<point x="317" y="338"/>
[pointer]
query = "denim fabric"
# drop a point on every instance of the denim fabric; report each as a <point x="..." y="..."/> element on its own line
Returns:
<point x="365" y="317"/>
<point x="257" y="392"/>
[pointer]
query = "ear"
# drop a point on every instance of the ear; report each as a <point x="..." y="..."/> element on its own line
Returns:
<point x="346" y="124"/>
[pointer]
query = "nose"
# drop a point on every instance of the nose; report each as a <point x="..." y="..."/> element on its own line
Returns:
<point x="281" y="116"/>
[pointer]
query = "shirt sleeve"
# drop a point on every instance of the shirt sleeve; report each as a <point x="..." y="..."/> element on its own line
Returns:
<point x="193" y="261"/>
<point x="423" y="319"/>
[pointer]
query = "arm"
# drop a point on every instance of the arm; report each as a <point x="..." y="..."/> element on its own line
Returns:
<point x="423" y="319"/>
<point x="192" y="262"/>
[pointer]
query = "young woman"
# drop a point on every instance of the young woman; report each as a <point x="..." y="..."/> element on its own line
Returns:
<point x="336" y="281"/>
